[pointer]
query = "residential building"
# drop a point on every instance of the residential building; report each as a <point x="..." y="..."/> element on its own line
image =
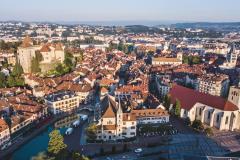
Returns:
<point x="163" y="84"/>
<point x="168" y="61"/>
<point x="4" y="132"/>
<point x="62" y="101"/>
<point x="151" y="116"/>
<point x="214" y="84"/>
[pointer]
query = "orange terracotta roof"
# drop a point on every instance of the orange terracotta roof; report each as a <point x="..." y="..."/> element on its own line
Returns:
<point x="45" y="48"/>
<point x="104" y="90"/>
<point x="150" y="112"/>
<point x="3" y="125"/>
<point x="27" y="42"/>
<point x="109" y="113"/>
<point x="109" y="127"/>
<point x="164" y="59"/>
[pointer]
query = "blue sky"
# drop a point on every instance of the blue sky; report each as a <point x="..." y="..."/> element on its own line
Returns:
<point x="120" y="10"/>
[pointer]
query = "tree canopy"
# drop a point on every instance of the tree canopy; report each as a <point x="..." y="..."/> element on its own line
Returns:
<point x="91" y="132"/>
<point x="177" y="109"/>
<point x="56" y="143"/>
<point x="15" y="79"/>
<point x="3" y="81"/>
<point x="35" y="63"/>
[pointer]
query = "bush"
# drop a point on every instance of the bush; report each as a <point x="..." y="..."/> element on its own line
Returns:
<point x="209" y="131"/>
<point x="197" y="124"/>
<point x="187" y="121"/>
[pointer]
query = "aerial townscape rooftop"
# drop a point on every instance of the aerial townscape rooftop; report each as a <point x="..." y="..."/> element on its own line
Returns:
<point x="126" y="90"/>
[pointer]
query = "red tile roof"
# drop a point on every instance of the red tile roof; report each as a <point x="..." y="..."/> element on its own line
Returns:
<point x="188" y="98"/>
<point x="27" y="42"/>
<point x="45" y="48"/>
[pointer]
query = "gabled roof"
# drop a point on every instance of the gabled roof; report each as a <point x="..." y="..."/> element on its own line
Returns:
<point x="189" y="97"/>
<point x="58" y="47"/>
<point x="45" y="48"/>
<point x="27" y="42"/>
<point x="109" y="107"/>
<point x="164" y="59"/>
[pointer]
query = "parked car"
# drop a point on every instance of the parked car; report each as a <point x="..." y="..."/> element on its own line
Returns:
<point x="138" y="150"/>
<point x="84" y="117"/>
<point x="69" y="131"/>
<point x="76" y="123"/>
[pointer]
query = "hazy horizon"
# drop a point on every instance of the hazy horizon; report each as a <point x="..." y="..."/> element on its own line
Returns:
<point x="118" y="11"/>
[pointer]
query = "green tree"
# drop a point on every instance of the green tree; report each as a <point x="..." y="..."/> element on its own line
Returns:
<point x="91" y="132"/>
<point x="177" y="109"/>
<point x="80" y="58"/>
<point x="11" y="81"/>
<point x="120" y="46"/>
<point x="60" y="68"/>
<point x="78" y="156"/>
<point x="35" y="65"/>
<point x="15" y="81"/>
<point x="17" y="70"/>
<point x="40" y="156"/>
<point x="68" y="61"/>
<point x="209" y="131"/>
<point x="185" y="59"/>
<point x="56" y="145"/>
<point x="2" y="80"/>
<point x="197" y="124"/>
<point x="196" y="60"/>
<point x="167" y="101"/>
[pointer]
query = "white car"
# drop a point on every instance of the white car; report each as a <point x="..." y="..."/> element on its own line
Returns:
<point x="138" y="150"/>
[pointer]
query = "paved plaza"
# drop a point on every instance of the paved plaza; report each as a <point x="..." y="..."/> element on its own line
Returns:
<point x="229" y="140"/>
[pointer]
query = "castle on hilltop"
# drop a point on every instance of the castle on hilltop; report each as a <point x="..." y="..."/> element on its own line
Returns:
<point x="50" y="52"/>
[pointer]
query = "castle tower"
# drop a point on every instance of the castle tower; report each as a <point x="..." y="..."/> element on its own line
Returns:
<point x="25" y="54"/>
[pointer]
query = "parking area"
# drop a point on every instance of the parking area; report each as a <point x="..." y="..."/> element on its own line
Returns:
<point x="177" y="147"/>
<point x="228" y="140"/>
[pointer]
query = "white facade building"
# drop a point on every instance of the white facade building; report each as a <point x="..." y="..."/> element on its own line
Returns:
<point x="213" y="111"/>
<point x="114" y="124"/>
<point x="63" y="101"/>
<point x="214" y="84"/>
<point x="168" y="61"/>
<point x="4" y="132"/>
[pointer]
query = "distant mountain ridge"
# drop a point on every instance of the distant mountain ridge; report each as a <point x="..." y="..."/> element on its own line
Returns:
<point x="214" y="25"/>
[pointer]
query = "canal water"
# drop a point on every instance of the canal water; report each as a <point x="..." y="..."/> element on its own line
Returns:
<point x="34" y="146"/>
